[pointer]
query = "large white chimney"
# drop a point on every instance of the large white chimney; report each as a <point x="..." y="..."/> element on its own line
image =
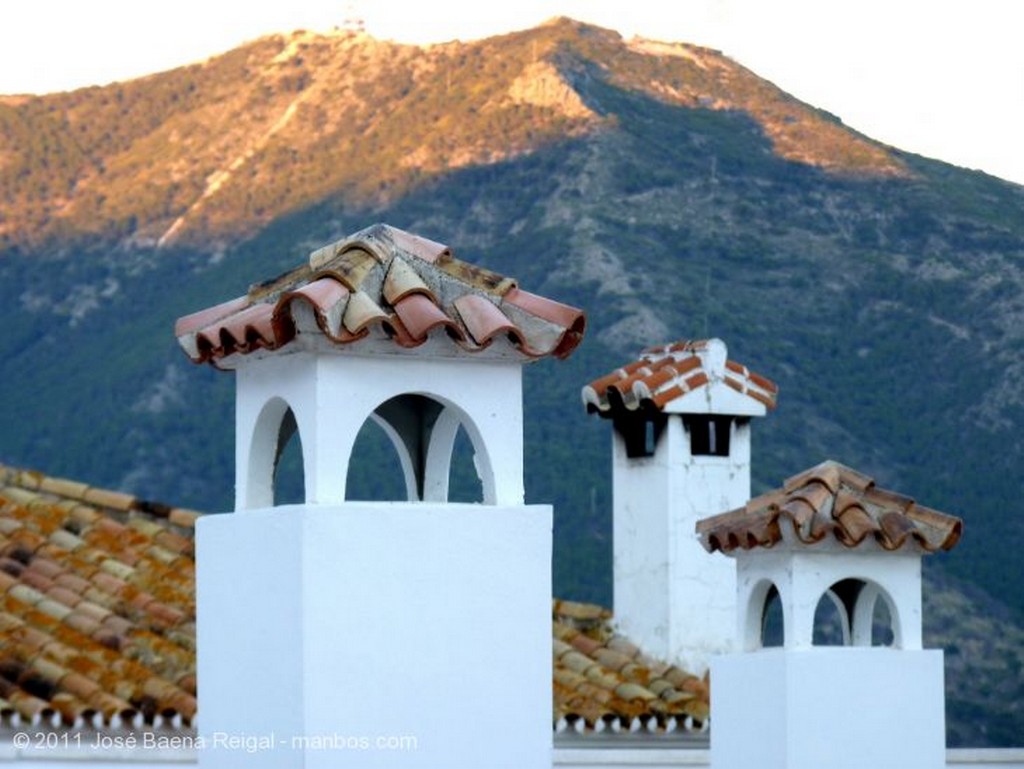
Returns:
<point x="412" y="633"/>
<point x="680" y="452"/>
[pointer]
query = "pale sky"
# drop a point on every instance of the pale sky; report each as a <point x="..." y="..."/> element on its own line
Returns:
<point x="943" y="78"/>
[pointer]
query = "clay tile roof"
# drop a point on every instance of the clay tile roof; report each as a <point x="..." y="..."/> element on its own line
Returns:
<point x="831" y="503"/>
<point x="97" y="624"/>
<point x="602" y="682"/>
<point x="670" y="371"/>
<point x="386" y="284"/>
<point x="97" y="606"/>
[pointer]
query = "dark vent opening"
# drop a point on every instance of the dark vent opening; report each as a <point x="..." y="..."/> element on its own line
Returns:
<point x="772" y="623"/>
<point x="641" y="434"/>
<point x="709" y="434"/>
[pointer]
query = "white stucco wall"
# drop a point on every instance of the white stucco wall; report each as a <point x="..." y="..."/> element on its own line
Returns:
<point x="841" y="708"/>
<point x="333" y="394"/>
<point x="803" y="574"/>
<point x="376" y="635"/>
<point x="670" y="596"/>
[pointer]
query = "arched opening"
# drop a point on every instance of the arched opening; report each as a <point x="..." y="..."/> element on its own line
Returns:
<point x="773" y="631"/>
<point x="881" y="624"/>
<point x="416" y="447"/>
<point x="764" y="625"/>
<point x="856" y="612"/>
<point x="831" y="626"/>
<point x="289" y="477"/>
<point x="275" y="472"/>
<point x="876" y="621"/>
<point x="464" y="484"/>
<point x="375" y="471"/>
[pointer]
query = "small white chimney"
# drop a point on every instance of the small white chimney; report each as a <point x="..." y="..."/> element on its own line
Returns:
<point x="680" y="452"/>
<point x="829" y="629"/>
<point x="412" y="633"/>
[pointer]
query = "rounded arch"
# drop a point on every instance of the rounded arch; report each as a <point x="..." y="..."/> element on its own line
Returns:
<point x="764" y="620"/>
<point x="876" y="618"/>
<point x="405" y="460"/>
<point x="831" y="620"/>
<point x="856" y="612"/>
<point x="271" y="432"/>
<point x="422" y="428"/>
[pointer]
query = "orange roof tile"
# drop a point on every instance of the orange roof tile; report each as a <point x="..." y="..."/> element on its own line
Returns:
<point x="831" y="503"/>
<point x="602" y="682"/>
<point x="667" y="372"/>
<point x="97" y="606"/>
<point x="97" y="624"/>
<point x="384" y="283"/>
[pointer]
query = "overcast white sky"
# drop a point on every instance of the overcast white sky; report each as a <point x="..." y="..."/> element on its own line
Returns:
<point x="944" y="78"/>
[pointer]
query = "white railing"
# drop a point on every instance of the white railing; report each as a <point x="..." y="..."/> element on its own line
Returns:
<point x="628" y="751"/>
<point x="641" y="754"/>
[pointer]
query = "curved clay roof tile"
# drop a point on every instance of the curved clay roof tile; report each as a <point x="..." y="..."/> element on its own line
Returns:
<point x="382" y="268"/>
<point x="667" y="372"/>
<point x="854" y="525"/>
<point x="361" y="312"/>
<point x="420" y="316"/>
<point x="328" y="299"/>
<point x="190" y="324"/>
<point x="401" y="281"/>
<point x="854" y="513"/>
<point x="484" y="320"/>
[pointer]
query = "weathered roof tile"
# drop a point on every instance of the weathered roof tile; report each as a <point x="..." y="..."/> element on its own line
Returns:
<point x="831" y="502"/>
<point x="667" y="372"/>
<point x="60" y="594"/>
<point x="601" y="680"/>
<point x="401" y="285"/>
<point x="112" y="643"/>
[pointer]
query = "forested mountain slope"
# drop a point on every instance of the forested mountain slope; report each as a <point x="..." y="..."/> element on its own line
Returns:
<point x="662" y="187"/>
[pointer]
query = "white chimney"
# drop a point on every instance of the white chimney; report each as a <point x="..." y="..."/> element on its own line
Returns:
<point x="680" y="452"/>
<point x="413" y="633"/>
<point x="829" y="627"/>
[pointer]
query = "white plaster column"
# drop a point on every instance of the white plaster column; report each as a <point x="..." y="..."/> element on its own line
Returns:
<point x="670" y="596"/>
<point x="333" y="395"/>
<point x="836" y="707"/>
<point x="265" y="388"/>
<point x="801" y="706"/>
<point x="411" y="635"/>
<point x="803" y="577"/>
<point x="641" y="539"/>
<point x="414" y="633"/>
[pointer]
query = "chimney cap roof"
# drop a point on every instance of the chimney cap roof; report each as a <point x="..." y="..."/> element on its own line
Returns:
<point x="831" y="503"/>
<point x="666" y="373"/>
<point x="384" y="283"/>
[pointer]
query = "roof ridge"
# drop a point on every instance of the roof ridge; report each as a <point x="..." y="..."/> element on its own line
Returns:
<point x="94" y="496"/>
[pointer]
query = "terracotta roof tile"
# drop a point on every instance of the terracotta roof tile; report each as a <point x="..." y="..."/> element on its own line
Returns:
<point x="105" y="644"/>
<point x="83" y="635"/>
<point x="831" y="503"/>
<point x="603" y="682"/>
<point x="484" y="321"/>
<point x="667" y="372"/>
<point x="385" y="283"/>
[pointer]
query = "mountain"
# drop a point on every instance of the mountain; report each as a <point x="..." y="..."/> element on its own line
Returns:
<point x="663" y="187"/>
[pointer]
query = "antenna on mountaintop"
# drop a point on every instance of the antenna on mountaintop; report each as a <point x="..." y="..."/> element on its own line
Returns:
<point x="353" y="21"/>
